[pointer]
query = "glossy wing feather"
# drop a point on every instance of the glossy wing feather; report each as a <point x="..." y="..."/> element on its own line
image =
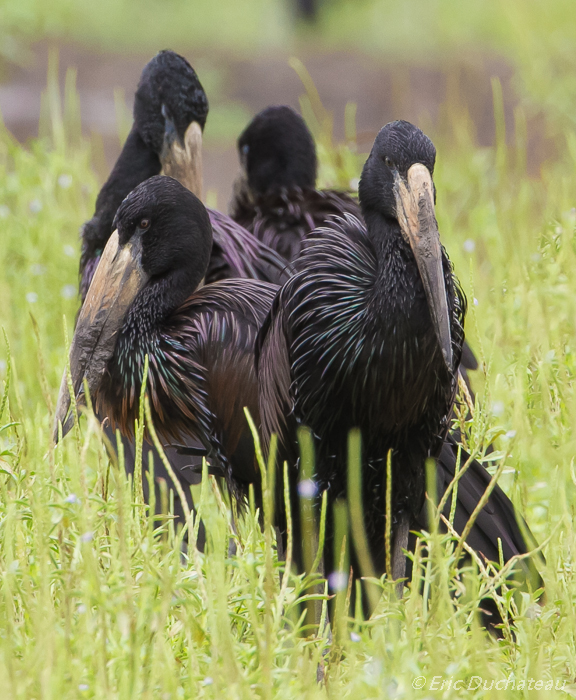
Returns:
<point x="274" y="380"/>
<point x="201" y="374"/>
<point x="282" y="220"/>
<point x="236" y="253"/>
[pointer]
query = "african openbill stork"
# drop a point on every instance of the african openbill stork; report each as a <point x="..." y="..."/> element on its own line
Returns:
<point x="147" y="298"/>
<point x="275" y="197"/>
<point x="277" y="200"/>
<point x="368" y="334"/>
<point x="170" y="111"/>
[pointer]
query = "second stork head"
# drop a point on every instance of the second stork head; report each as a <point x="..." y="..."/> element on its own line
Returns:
<point x="170" y="111"/>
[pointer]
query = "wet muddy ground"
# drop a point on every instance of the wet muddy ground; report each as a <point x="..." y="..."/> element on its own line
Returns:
<point x="382" y="92"/>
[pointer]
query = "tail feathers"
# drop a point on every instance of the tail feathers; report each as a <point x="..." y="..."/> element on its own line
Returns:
<point x="496" y="523"/>
<point x="468" y="359"/>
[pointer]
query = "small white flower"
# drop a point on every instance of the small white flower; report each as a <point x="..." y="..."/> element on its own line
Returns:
<point x="354" y="182"/>
<point x="510" y="434"/>
<point x="38" y="269"/>
<point x="81" y="608"/>
<point x="307" y="488"/>
<point x="83" y="686"/>
<point x="469" y="245"/>
<point x="69" y="251"/>
<point x="497" y="408"/>
<point x="87" y="537"/>
<point x="355" y="637"/>
<point x="475" y="301"/>
<point x="35" y="206"/>
<point x="72" y="498"/>
<point x="31" y="297"/>
<point x="68" y="291"/>
<point x="536" y="257"/>
<point x="2" y="365"/>
<point x="208" y="681"/>
<point x="65" y="181"/>
<point x="337" y="580"/>
<point x="4" y="211"/>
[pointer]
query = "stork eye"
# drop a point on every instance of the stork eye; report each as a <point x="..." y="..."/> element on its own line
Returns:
<point x="145" y="223"/>
<point x="389" y="162"/>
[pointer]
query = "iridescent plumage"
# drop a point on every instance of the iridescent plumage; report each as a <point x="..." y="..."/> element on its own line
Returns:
<point x="276" y="197"/>
<point x="148" y="299"/>
<point x="356" y="340"/>
<point x="201" y="372"/>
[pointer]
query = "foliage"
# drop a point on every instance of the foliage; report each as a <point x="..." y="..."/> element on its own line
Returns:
<point x="97" y="598"/>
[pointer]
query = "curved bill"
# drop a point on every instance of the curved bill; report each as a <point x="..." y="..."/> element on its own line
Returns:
<point x="183" y="160"/>
<point x="417" y="218"/>
<point x="117" y="280"/>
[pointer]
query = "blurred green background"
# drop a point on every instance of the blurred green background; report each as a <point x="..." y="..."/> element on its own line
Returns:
<point x="392" y="59"/>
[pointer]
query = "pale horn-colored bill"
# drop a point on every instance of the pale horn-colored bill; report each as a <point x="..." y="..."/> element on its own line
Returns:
<point x="117" y="280"/>
<point x="184" y="162"/>
<point x="417" y="219"/>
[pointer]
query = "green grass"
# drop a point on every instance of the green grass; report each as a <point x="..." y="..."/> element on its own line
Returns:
<point x="96" y="599"/>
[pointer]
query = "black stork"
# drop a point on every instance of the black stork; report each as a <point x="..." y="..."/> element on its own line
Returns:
<point x="368" y="334"/>
<point x="147" y="298"/>
<point x="276" y="197"/>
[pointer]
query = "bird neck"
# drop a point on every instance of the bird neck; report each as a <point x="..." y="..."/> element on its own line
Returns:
<point x="393" y="254"/>
<point x="135" y="164"/>
<point x="156" y="303"/>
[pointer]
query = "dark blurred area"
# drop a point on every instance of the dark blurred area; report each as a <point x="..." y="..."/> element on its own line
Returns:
<point x="307" y="9"/>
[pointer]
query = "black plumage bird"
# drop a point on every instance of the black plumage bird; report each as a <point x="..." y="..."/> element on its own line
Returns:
<point x="170" y="111"/>
<point x="368" y="334"/>
<point x="276" y="197"/>
<point x="147" y="299"/>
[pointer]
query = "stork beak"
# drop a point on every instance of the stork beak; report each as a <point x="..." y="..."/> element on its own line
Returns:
<point x="182" y="160"/>
<point x="417" y="218"/>
<point x="117" y="280"/>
